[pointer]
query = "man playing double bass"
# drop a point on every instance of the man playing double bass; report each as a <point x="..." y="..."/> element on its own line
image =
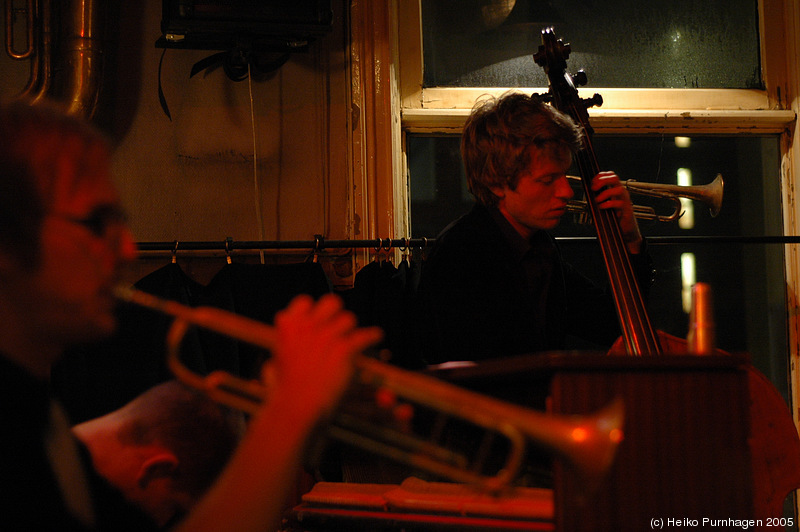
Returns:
<point x="495" y="283"/>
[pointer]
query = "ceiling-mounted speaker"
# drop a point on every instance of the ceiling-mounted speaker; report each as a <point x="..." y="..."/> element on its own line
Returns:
<point x="266" y="25"/>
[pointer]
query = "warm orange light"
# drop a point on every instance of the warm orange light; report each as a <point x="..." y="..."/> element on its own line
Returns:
<point x="579" y="434"/>
<point x="616" y="435"/>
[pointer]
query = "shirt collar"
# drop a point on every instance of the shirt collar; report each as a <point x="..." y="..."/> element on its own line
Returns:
<point x="516" y="242"/>
<point x="510" y="235"/>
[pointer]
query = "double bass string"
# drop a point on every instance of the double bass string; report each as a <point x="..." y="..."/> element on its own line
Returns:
<point x="634" y="321"/>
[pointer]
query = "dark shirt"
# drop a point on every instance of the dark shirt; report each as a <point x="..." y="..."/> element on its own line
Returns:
<point x="30" y="497"/>
<point x="486" y="292"/>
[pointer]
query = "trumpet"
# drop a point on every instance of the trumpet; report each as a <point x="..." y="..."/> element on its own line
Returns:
<point x="709" y="194"/>
<point x="588" y="442"/>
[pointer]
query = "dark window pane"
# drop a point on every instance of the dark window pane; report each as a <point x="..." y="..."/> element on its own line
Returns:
<point x="619" y="43"/>
<point x="746" y="278"/>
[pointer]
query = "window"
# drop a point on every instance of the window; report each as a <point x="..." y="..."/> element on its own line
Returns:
<point x="749" y="310"/>
<point x="622" y="43"/>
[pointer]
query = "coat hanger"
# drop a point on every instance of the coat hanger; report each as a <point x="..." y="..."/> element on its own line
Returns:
<point x="228" y="245"/>
<point x="317" y="247"/>
<point x="405" y="251"/>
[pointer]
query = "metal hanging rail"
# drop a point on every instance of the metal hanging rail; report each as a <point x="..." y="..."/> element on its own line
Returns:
<point x="320" y="243"/>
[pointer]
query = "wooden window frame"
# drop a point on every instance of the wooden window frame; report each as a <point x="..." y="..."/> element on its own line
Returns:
<point x="386" y="72"/>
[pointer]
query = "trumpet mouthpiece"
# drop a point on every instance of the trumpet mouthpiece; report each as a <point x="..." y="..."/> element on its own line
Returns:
<point x="124" y="292"/>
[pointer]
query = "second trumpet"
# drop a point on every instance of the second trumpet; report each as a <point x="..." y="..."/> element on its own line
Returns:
<point x="709" y="194"/>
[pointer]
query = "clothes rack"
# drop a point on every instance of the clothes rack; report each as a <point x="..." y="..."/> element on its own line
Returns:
<point x="319" y="243"/>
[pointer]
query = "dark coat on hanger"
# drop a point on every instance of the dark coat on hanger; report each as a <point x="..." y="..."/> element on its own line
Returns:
<point x="94" y="379"/>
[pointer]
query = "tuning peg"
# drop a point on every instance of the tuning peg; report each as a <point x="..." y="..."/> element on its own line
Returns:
<point x="579" y="79"/>
<point x="594" y="100"/>
<point x="554" y="46"/>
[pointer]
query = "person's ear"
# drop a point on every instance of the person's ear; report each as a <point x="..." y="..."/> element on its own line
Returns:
<point x="498" y="191"/>
<point x="159" y="466"/>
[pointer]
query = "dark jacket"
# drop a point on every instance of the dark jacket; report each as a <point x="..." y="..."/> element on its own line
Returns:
<point x="30" y="497"/>
<point x="485" y="292"/>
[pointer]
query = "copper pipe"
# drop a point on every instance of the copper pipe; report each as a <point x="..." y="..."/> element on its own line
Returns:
<point x="40" y="47"/>
<point x="80" y="48"/>
<point x="83" y="55"/>
<point x="30" y="17"/>
<point x="41" y="82"/>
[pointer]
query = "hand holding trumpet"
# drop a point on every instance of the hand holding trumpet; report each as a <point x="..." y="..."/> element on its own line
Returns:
<point x="314" y="351"/>
<point x="294" y="395"/>
<point x="314" y="345"/>
<point x="611" y="194"/>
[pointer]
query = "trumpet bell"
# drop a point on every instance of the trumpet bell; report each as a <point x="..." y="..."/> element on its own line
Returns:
<point x="488" y="428"/>
<point x="710" y="194"/>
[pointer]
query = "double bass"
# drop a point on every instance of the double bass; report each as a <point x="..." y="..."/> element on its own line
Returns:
<point x="774" y="442"/>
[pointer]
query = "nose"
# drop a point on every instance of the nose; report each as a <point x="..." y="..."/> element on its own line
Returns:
<point x="127" y="251"/>
<point x="564" y="189"/>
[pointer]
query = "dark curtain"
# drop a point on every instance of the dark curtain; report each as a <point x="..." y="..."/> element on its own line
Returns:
<point x="385" y="295"/>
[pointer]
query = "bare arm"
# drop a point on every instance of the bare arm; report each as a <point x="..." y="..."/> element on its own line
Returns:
<point x="312" y="367"/>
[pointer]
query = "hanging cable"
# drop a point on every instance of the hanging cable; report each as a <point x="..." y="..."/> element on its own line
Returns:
<point x="256" y="187"/>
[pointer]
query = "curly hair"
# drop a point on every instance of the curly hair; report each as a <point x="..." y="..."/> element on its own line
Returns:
<point x="502" y="134"/>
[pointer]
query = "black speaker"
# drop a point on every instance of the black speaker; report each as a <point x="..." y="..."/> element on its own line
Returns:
<point x="266" y="25"/>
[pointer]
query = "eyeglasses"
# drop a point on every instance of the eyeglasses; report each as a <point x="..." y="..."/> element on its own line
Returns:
<point x="99" y="220"/>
